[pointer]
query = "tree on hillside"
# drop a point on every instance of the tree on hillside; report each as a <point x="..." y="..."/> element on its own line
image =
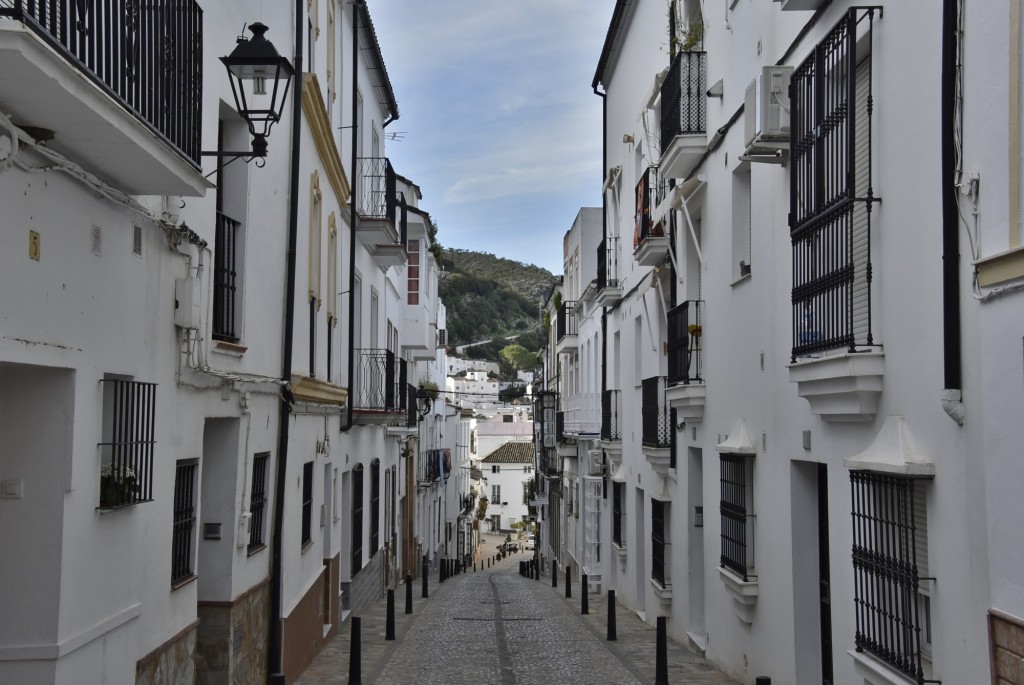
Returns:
<point x="519" y="357"/>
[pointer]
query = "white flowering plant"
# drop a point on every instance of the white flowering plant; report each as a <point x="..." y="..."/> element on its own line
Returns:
<point x="118" y="485"/>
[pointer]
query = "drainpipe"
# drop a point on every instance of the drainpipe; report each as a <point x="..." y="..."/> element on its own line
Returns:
<point x="604" y="234"/>
<point x="952" y="396"/>
<point x="275" y="665"/>
<point x="354" y="186"/>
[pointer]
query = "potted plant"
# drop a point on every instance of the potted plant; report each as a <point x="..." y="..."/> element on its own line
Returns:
<point x="118" y="485"/>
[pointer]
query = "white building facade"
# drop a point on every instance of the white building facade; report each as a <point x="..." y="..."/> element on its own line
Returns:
<point x="791" y="424"/>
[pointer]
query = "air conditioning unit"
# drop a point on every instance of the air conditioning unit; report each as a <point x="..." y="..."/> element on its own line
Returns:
<point x="766" y="110"/>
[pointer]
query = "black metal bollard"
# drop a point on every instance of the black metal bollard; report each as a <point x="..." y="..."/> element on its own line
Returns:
<point x="584" y="599"/>
<point x="536" y="569"/>
<point x="661" y="653"/>
<point x="554" y="575"/>
<point x="440" y="570"/>
<point x="355" y="656"/>
<point x="389" y="627"/>
<point x="474" y="567"/>
<point x="612" y="637"/>
<point x="522" y="571"/>
<point x="568" y="582"/>
<point x="408" y="593"/>
<point x="763" y="680"/>
<point x="426" y="572"/>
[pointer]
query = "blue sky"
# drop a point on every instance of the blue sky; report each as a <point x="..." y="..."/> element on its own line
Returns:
<point x="500" y="126"/>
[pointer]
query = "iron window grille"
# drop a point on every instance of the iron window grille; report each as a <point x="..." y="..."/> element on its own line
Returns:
<point x="374" y="506"/>
<point x="496" y="494"/>
<point x="225" y="274"/>
<point x="683" y="98"/>
<point x="659" y="511"/>
<point x="685" y="332"/>
<point x="737" y="515"/>
<point x="831" y="193"/>
<point x="607" y="263"/>
<point x="654" y="413"/>
<point x="430" y="466"/>
<point x="645" y="192"/>
<point x="618" y="503"/>
<point x="611" y="415"/>
<point x="128" y="437"/>
<point x="307" y="503"/>
<point x="184" y="525"/>
<point x="380" y="380"/>
<point x="147" y="57"/>
<point x="889" y="558"/>
<point x="565" y="320"/>
<point x="258" y="500"/>
<point x="378" y="189"/>
<point x="357" y="519"/>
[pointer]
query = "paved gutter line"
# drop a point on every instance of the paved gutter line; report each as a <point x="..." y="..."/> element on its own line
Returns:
<point x="508" y="676"/>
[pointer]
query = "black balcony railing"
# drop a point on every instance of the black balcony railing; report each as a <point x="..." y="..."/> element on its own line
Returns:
<point x="684" y="97"/>
<point x="685" y="331"/>
<point x="148" y="56"/>
<point x="565" y="321"/>
<point x="380" y="382"/>
<point x="654" y="413"/>
<point x="831" y="191"/>
<point x="377" y="189"/>
<point x="432" y="463"/>
<point x="411" y="417"/>
<point x="225" y="276"/>
<point x="611" y="415"/>
<point x="560" y="426"/>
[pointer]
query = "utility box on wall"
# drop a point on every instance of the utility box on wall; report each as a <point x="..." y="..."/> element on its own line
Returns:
<point x="187" y="311"/>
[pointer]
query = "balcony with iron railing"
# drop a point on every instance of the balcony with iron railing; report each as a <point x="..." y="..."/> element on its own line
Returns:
<point x="656" y="425"/>
<point x="650" y="239"/>
<point x="379" y="388"/>
<point x="136" y="123"/>
<point x="566" y="332"/>
<point x="609" y="290"/>
<point x="686" y="390"/>
<point x="583" y="415"/>
<point x="683" y="114"/>
<point x="611" y="423"/>
<point x="429" y="468"/>
<point x="386" y="255"/>
<point x="376" y="198"/>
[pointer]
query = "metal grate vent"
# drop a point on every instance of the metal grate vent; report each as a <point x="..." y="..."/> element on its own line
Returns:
<point x="698" y="517"/>
<point x="137" y="240"/>
<point x="97" y="240"/>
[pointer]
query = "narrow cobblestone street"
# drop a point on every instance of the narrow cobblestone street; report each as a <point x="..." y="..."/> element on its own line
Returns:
<point x="495" y="626"/>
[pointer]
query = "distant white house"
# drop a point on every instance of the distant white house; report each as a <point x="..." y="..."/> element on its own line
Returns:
<point x="505" y="472"/>
<point x="457" y="365"/>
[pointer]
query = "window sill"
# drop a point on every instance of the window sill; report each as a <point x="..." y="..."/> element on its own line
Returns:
<point x="306" y="546"/>
<point x="120" y="507"/>
<point x="620" y="551"/>
<point x="741" y="279"/>
<point x="255" y="550"/>
<point x="183" y="582"/>
<point x="664" y="592"/>
<point x="876" y="672"/>
<point x="229" y="348"/>
<point x="743" y="591"/>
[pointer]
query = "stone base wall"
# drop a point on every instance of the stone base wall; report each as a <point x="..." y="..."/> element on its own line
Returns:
<point x="304" y="628"/>
<point x="172" y="663"/>
<point x="1006" y="640"/>
<point x="232" y="639"/>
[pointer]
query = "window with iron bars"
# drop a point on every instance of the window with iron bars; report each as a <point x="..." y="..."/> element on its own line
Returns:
<point x="736" y="506"/>
<point x="892" y="605"/>
<point x="659" y="518"/>
<point x="225" y="276"/>
<point x="831" y="192"/>
<point x="357" y="519"/>
<point x="307" y="503"/>
<point x="374" y="505"/>
<point x="618" y="504"/>
<point x="184" y="525"/>
<point x="258" y="501"/>
<point x="128" y="438"/>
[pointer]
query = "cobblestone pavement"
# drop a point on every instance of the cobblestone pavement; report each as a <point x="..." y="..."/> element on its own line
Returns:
<point x="494" y="626"/>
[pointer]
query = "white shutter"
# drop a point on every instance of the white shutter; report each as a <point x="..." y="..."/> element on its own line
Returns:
<point x="859" y="229"/>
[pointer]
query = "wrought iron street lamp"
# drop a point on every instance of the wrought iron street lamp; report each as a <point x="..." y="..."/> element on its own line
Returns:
<point x="260" y="78"/>
<point x="424" y="402"/>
